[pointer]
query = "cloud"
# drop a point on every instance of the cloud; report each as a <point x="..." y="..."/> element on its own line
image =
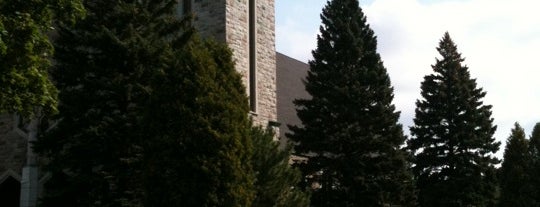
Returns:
<point x="297" y="26"/>
<point x="499" y="40"/>
<point x="296" y="43"/>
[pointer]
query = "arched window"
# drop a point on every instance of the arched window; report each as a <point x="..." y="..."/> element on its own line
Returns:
<point x="10" y="191"/>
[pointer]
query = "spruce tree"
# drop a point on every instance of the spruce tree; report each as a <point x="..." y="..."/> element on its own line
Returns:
<point x="534" y="145"/>
<point x="349" y="126"/>
<point x="452" y="137"/>
<point x="103" y="66"/>
<point x="534" y="164"/>
<point x="275" y="179"/>
<point x="514" y="178"/>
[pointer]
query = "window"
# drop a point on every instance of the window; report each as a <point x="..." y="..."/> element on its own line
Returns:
<point x="183" y="7"/>
<point x="10" y="191"/>
<point x="252" y="56"/>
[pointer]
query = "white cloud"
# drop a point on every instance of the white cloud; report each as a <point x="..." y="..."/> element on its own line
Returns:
<point x="297" y="26"/>
<point x="499" y="40"/>
<point x="296" y="43"/>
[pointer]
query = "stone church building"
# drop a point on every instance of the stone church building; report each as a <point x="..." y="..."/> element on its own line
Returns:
<point x="272" y="82"/>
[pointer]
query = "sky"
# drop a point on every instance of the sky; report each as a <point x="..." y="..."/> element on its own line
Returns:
<point x="499" y="40"/>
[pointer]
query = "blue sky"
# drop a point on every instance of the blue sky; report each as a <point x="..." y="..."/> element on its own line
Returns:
<point x="499" y="39"/>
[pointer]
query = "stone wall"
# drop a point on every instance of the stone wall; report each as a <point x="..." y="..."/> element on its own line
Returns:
<point x="266" y="62"/>
<point x="209" y="18"/>
<point x="12" y="146"/>
<point x="215" y="18"/>
<point x="237" y="36"/>
<point x="228" y="21"/>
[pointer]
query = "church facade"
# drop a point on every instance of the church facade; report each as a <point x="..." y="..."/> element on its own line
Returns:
<point x="247" y="27"/>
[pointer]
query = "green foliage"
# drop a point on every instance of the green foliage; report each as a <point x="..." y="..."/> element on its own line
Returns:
<point x="25" y="52"/>
<point x="149" y="116"/>
<point x="452" y="139"/>
<point x="534" y="165"/>
<point x="514" y="177"/>
<point x="350" y="131"/>
<point x="276" y="180"/>
<point x="534" y="146"/>
<point x="200" y="150"/>
<point x="103" y="66"/>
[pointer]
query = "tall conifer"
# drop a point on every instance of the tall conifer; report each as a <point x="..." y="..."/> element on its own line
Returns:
<point x="534" y="164"/>
<point x="350" y="132"/>
<point x="452" y="137"/>
<point x="103" y="68"/>
<point x="535" y="141"/>
<point x="148" y="115"/>
<point x="514" y="177"/>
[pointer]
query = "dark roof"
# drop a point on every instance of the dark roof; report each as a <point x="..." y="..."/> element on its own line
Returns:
<point x="290" y="74"/>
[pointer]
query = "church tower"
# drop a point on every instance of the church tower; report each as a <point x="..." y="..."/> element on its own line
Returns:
<point x="247" y="27"/>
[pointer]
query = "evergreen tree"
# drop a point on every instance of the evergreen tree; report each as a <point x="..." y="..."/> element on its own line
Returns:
<point x="200" y="151"/>
<point x="275" y="179"/>
<point x="350" y="132"/>
<point x="534" y="165"/>
<point x="452" y="137"/>
<point x="103" y="66"/>
<point x="514" y="178"/>
<point x="534" y="145"/>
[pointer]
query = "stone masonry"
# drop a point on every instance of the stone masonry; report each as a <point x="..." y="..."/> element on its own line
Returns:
<point x="266" y="61"/>
<point x="12" y="147"/>
<point x="228" y="21"/>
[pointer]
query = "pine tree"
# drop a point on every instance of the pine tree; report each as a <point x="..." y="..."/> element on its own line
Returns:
<point x="514" y="178"/>
<point x="452" y="137"/>
<point x="103" y="66"/>
<point x="350" y="131"/>
<point x="200" y="151"/>
<point x="275" y="179"/>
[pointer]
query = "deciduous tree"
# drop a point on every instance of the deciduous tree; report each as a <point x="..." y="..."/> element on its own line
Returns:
<point x="25" y="52"/>
<point x="25" y="87"/>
